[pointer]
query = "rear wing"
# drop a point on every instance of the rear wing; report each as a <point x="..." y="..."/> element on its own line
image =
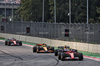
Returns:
<point x="62" y="47"/>
<point x="40" y="44"/>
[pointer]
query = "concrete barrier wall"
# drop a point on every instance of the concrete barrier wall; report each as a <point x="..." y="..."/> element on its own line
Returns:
<point x="8" y="36"/>
<point x="3" y="35"/>
<point x="75" y="45"/>
<point x="22" y="38"/>
<point x="46" y="41"/>
<point x="36" y="40"/>
<point x="98" y="49"/>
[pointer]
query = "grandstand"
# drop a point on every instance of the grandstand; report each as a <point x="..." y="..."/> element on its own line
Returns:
<point x="10" y="1"/>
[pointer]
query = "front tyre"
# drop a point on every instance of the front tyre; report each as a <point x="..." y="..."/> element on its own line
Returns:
<point x="9" y="44"/>
<point x="38" y="49"/>
<point x="59" y="55"/>
<point x="62" y="56"/>
<point x="80" y="56"/>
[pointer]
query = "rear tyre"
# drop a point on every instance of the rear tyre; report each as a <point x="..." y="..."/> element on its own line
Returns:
<point x="5" y="42"/>
<point x="81" y="56"/>
<point x="34" y="49"/>
<point x="56" y="52"/>
<point x="20" y="43"/>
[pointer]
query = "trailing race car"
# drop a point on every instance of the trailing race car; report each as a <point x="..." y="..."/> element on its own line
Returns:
<point x="70" y="54"/>
<point x="61" y="49"/>
<point x="43" y="48"/>
<point x="13" y="41"/>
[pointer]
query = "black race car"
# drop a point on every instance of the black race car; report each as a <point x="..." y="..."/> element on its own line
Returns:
<point x="13" y="41"/>
<point x="60" y="49"/>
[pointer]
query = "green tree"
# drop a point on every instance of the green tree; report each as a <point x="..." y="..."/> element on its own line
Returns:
<point x="98" y="11"/>
<point x="51" y="10"/>
<point x="62" y="11"/>
<point x="32" y="10"/>
<point x="24" y="10"/>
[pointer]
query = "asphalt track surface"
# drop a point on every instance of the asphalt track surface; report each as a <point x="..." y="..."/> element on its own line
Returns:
<point x="23" y="56"/>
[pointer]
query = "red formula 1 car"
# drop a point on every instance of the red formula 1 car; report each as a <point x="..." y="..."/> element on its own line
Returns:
<point x="70" y="54"/>
<point x="61" y="49"/>
<point x="13" y="41"/>
<point x="43" y="48"/>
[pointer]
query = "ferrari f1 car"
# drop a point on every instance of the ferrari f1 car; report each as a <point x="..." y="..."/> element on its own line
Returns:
<point x="43" y="48"/>
<point x="70" y="54"/>
<point x="61" y="49"/>
<point x="13" y="41"/>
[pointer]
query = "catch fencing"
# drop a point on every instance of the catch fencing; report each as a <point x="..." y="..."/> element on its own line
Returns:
<point x="79" y="32"/>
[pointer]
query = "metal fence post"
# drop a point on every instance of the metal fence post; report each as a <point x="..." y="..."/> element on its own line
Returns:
<point x="12" y="15"/>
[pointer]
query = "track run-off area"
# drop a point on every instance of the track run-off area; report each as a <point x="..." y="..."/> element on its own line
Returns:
<point x="24" y="56"/>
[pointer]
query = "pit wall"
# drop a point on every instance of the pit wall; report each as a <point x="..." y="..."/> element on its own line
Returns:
<point x="94" y="48"/>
